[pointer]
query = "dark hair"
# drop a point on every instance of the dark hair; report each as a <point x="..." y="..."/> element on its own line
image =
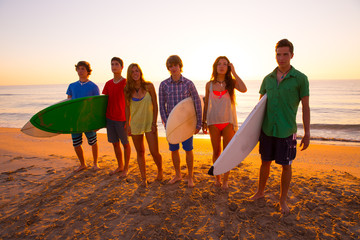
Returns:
<point x="84" y="64"/>
<point x="229" y="80"/>
<point x="174" y="60"/>
<point x="285" y="43"/>
<point x="119" y="60"/>
<point x="130" y="82"/>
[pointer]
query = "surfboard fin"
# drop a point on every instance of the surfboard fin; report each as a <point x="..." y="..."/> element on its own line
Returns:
<point x="211" y="171"/>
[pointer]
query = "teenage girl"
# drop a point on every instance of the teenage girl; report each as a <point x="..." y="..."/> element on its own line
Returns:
<point x="219" y="108"/>
<point x="141" y="118"/>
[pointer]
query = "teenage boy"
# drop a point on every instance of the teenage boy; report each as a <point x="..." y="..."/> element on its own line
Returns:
<point x="171" y="92"/>
<point x="115" y="116"/>
<point x="84" y="88"/>
<point x="285" y="88"/>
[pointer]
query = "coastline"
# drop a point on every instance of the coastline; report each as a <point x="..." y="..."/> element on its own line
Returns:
<point x="43" y="198"/>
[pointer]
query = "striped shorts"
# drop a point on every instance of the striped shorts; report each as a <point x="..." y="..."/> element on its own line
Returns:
<point x="77" y="138"/>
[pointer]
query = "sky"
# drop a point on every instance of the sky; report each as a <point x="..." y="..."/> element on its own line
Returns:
<point x="42" y="40"/>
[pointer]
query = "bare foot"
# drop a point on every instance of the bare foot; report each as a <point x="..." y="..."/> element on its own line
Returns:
<point x="257" y="196"/>
<point x="144" y="183"/>
<point x="217" y="183"/>
<point x="191" y="183"/>
<point x="123" y="174"/>
<point x="115" y="171"/>
<point x="225" y="186"/>
<point x="95" y="167"/>
<point x="82" y="167"/>
<point x="175" y="179"/>
<point x="284" y="208"/>
<point x="159" y="175"/>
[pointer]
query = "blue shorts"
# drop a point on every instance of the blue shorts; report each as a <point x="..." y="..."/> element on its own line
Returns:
<point x="116" y="130"/>
<point x="187" y="145"/>
<point x="282" y="150"/>
<point x="77" y="138"/>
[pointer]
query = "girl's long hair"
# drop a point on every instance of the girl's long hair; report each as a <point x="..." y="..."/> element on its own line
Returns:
<point x="229" y="80"/>
<point x="130" y="82"/>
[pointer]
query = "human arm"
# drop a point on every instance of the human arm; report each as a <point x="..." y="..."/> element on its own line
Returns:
<point x="204" y="123"/>
<point x="305" y="141"/>
<point x="127" y="116"/>
<point x="239" y="84"/>
<point x="152" y="93"/>
<point x="198" y="109"/>
<point x="162" y="103"/>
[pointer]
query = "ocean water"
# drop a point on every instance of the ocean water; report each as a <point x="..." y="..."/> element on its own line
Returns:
<point x="334" y="104"/>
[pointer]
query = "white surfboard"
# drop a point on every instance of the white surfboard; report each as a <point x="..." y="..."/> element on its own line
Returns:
<point x="181" y="123"/>
<point x="243" y="141"/>
<point x="33" y="131"/>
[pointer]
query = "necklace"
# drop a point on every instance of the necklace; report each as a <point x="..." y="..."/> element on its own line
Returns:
<point x="283" y="74"/>
<point x="220" y="82"/>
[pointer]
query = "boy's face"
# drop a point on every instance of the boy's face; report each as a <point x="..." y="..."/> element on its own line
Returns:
<point x="82" y="72"/>
<point x="283" y="56"/>
<point x="116" y="67"/>
<point x="174" y="69"/>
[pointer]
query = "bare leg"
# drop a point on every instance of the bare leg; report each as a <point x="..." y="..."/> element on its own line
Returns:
<point x="153" y="144"/>
<point x="190" y="166"/>
<point x="138" y="141"/>
<point x="228" y="133"/>
<point x="264" y="175"/>
<point x="80" y="154"/>
<point x="215" y="137"/>
<point x="127" y="152"/>
<point x="95" y="153"/>
<point x="118" y="155"/>
<point x="176" y="162"/>
<point x="284" y="187"/>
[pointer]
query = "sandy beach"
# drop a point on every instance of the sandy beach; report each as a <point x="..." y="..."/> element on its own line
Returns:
<point x="42" y="198"/>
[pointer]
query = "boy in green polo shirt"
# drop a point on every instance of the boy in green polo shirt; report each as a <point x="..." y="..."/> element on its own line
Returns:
<point x="285" y="88"/>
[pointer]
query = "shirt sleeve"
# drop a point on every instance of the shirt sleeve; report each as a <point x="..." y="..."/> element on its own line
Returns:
<point x="304" y="88"/>
<point x="96" y="90"/>
<point x="162" y="102"/>
<point x="104" y="91"/>
<point x="262" y="88"/>
<point x="197" y="101"/>
<point x="69" y="91"/>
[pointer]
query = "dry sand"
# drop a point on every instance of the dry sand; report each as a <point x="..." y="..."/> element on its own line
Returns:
<point x="42" y="198"/>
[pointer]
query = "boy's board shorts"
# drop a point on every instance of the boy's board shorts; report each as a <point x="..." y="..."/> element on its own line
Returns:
<point x="282" y="150"/>
<point x="187" y="145"/>
<point x="116" y="130"/>
<point x="77" y="138"/>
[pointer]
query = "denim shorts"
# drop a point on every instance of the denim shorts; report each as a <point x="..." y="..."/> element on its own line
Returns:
<point x="187" y="145"/>
<point x="282" y="150"/>
<point x="77" y="138"/>
<point x="116" y="131"/>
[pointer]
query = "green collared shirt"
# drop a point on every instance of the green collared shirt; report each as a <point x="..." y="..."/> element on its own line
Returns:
<point x="282" y="102"/>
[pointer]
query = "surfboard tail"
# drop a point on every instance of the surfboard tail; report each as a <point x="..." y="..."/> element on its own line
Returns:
<point x="211" y="171"/>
